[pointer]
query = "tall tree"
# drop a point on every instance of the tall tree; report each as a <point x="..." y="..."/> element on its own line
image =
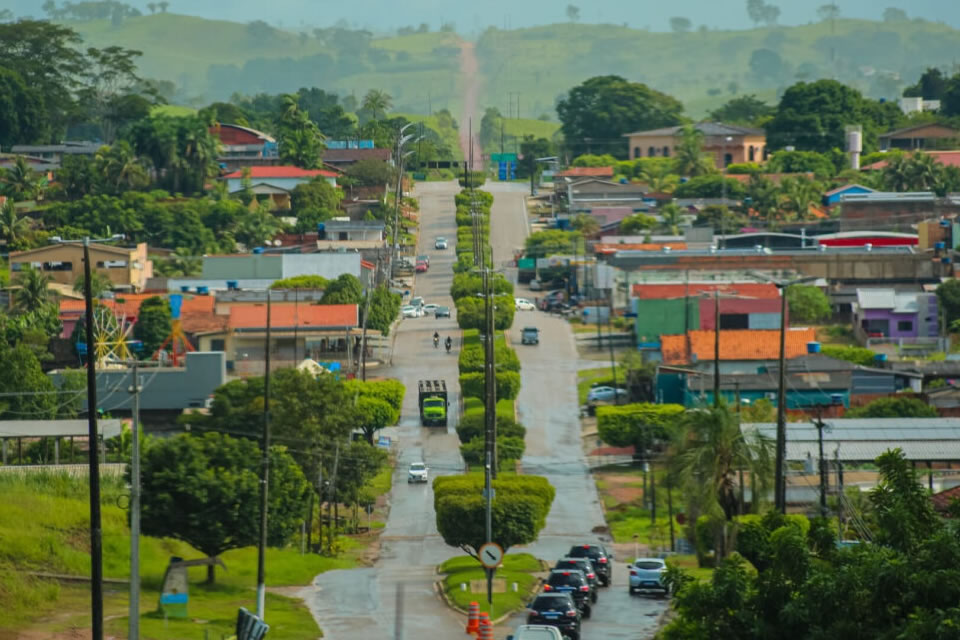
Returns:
<point x="23" y="114"/>
<point x="21" y="182"/>
<point x="301" y="142"/>
<point x="120" y="169"/>
<point x="153" y="324"/>
<point x="710" y="450"/>
<point x="679" y="24"/>
<point x="12" y="225"/>
<point x="34" y="291"/>
<point x="747" y="110"/>
<point x="346" y="289"/>
<point x="111" y="75"/>
<point x="377" y="102"/>
<point x="598" y="112"/>
<point x="203" y="489"/>
<point x="573" y="13"/>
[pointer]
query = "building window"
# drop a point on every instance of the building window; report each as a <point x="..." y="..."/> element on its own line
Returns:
<point x="905" y="325"/>
<point x="342" y="236"/>
<point x="727" y="159"/>
<point x="666" y="152"/>
<point x="652" y="151"/>
<point x="217" y="344"/>
<point x="766" y="154"/>
<point x="734" y="321"/>
<point x="753" y="153"/>
<point x="57" y="266"/>
<point x="637" y="152"/>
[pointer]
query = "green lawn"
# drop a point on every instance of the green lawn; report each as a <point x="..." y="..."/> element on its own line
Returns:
<point x="586" y="378"/>
<point x="44" y="527"/>
<point x="516" y="568"/>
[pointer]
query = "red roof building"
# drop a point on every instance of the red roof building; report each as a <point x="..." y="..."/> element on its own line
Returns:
<point x="739" y="289"/>
<point x="734" y="345"/>
<point x="586" y="172"/>
<point x="286" y="316"/>
<point x="282" y="171"/>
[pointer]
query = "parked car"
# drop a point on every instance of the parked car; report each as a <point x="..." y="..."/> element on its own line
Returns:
<point x="417" y="301"/>
<point x="440" y="243"/>
<point x="535" y="632"/>
<point x="411" y="311"/>
<point x="601" y="558"/>
<point x="604" y="393"/>
<point x="586" y="566"/>
<point x="530" y="335"/>
<point x="535" y="285"/>
<point x="424" y="258"/>
<point x="524" y="305"/>
<point x="422" y="267"/>
<point x="556" y="610"/>
<point x="430" y="308"/>
<point x="442" y="312"/>
<point x="574" y="582"/>
<point x="646" y="574"/>
<point x="417" y="473"/>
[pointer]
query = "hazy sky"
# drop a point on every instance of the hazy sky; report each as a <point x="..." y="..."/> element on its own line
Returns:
<point x="653" y="14"/>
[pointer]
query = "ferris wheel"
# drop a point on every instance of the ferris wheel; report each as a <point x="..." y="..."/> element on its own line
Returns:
<point x="111" y="336"/>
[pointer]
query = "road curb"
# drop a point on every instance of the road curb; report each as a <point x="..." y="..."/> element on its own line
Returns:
<point x="438" y="588"/>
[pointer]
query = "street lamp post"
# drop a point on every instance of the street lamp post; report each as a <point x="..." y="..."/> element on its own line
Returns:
<point x="723" y="183"/>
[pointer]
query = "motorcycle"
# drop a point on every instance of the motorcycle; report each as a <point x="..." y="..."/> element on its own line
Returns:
<point x="436" y="342"/>
<point x="448" y="344"/>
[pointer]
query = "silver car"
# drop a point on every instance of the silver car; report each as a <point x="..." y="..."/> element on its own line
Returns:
<point x="646" y="574"/>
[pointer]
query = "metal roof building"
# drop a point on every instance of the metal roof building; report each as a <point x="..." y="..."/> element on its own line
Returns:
<point x="864" y="439"/>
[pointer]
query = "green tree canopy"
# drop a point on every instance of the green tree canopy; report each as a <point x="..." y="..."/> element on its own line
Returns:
<point x="302" y="282"/>
<point x="811" y="116"/>
<point x="153" y="325"/>
<point x="598" y="112"/>
<point x="346" y="289"/>
<point x="23" y="115"/>
<point x="745" y="110"/>
<point x="372" y="172"/>
<point x="21" y="373"/>
<point x="948" y="294"/>
<point x="205" y="490"/>
<point x="384" y="307"/>
<point x="807" y="303"/>
<point x="894" y="407"/>
<point x="542" y="244"/>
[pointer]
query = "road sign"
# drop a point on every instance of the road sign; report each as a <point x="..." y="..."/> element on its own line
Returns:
<point x="491" y="555"/>
<point x="503" y="157"/>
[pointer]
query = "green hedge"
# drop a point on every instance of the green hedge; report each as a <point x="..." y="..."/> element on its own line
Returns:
<point x="473" y="426"/>
<point x="473" y="406"/>
<point x="471" y="314"/>
<point x="481" y="198"/>
<point x="476" y="179"/>
<point x="471" y="284"/>
<point x="472" y="484"/>
<point x="637" y="425"/>
<point x="472" y="358"/>
<point x="508" y="448"/>
<point x="508" y="384"/>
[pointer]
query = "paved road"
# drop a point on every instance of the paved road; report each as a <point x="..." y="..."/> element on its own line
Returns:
<point x="548" y="408"/>
<point x="361" y="603"/>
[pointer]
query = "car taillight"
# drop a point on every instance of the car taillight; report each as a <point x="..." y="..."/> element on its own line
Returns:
<point x="584" y="588"/>
<point x="591" y="576"/>
<point x="547" y="587"/>
<point x="632" y="572"/>
<point x="603" y="561"/>
<point x="566" y="573"/>
<point x="572" y="613"/>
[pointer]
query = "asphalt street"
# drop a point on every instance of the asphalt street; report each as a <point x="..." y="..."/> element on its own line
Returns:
<point x="363" y="603"/>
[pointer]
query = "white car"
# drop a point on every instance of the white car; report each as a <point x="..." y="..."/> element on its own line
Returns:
<point x="440" y="243"/>
<point x="605" y="394"/>
<point x="535" y="285"/>
<point x="430" y="308"/>
<point x="524" y="305"/>
<point x="412" y="311"/>
<point x="535" y="632"/>
<point x="417" y="473"/>
<point x="417" y="301"/>
<point x="646" y="574"/>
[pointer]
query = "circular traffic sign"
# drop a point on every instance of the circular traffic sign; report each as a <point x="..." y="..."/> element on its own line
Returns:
<point x="491" y="555"/>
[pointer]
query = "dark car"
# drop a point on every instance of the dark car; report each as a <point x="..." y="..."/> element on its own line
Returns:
<point x="441" y="312"/>
<point x="585" y="565"/>
<point x="574" y="582"/>
<point x="557" y="610"/>
<point x="530" y="335"/>
<point x="601" y="558"/>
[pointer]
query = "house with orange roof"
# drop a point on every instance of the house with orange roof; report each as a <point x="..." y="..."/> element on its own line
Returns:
<point x="275" y="183"/>
<point x="323" y="332"/>
<point x="576" y="173"/>
<point x="741" y="351"/>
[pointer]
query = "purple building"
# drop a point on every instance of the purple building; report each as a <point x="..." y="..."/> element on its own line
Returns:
<point x="887" y="313"/>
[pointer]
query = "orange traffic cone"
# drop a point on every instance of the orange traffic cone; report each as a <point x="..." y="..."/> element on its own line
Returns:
<point x="473" y="618"/>
<point x="486" y="628"/>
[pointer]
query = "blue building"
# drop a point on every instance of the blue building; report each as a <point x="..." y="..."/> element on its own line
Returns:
<point x="833" y="196"/>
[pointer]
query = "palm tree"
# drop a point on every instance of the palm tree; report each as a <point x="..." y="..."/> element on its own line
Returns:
<point x="923" y="171"/>
<point x="690" y="159"/>
<point x="12" y="226"/>
<point x="34" y="291"/>
<point x="709" y="450"/>
<point x="659" y="178"/>
<point x="896" y="175"/>
<point x="671" y="214"/>
<point x="586" y="224"/>
<point x="798" y="195"/>
<point x="120" y="168"/>
<point x="377" y="102"/>
<point x="99" y="284"/>
<point x="258" y="227"/>
<point x="21" y="182"/>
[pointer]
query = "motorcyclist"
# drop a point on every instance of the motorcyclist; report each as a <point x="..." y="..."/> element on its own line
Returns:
<point x="436" y="339"/>
<point x="448" y="343"/>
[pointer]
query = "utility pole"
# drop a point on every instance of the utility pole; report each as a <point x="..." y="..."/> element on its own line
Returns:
<point x="363" y="337"/>
<point x="491" y="377"/>
<point x="716" y="348"/>
<point x="781" y="481"/>
<point x="96" y="533"/>
<point x="264" y="476"/>
<point x="134" y="615"/>
<point x="823" y="463"/>
<point x="613" y="361"/>
<point x="670" y="512"/>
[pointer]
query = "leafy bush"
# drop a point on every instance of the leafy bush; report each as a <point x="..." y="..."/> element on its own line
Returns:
<point x="856" y="355"/>
<point x="639" y="425"/>
<point x="894" y="407"/>
<point x="471" y="315"/>
<point x="471" y="284"/>
<point x="508" y="384"/>
<point x="474" y="179"/>
<point x="473" y="426"/>
<point x="478" y="197"/>
<point x="508" y="448"/>
<point x="807" y="303"/>
<point x="504" y="357"/>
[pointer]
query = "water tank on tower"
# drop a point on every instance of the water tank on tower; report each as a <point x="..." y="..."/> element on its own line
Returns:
<point x="854" y="134"/>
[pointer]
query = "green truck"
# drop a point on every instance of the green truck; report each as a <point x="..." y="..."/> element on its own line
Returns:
<point x="433" y="402"/>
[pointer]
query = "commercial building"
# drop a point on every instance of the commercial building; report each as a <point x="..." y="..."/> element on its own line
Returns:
<point x="727" y="143"/>
<point x="127" y="268"/>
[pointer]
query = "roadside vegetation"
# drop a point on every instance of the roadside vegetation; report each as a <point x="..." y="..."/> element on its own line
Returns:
<point x="463" y="574"/>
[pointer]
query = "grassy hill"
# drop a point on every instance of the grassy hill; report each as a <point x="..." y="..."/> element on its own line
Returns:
<point x="44" y="527"/>
<point x="706" y="68"/>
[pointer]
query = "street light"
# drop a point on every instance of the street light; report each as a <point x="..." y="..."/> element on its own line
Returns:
<point x="96" y="533"/>
<point x="401" y="140"/>
<point x="780" y="484"/>
<point x="723" y="185"/>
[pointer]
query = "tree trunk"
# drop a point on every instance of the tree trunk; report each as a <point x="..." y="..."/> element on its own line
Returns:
<point x="211" y="572"/>
<point x="310" y="522"/>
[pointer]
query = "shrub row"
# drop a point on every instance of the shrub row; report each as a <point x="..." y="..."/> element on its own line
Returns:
<point x="508" y="384"/>
<point x="472" y="358"/>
